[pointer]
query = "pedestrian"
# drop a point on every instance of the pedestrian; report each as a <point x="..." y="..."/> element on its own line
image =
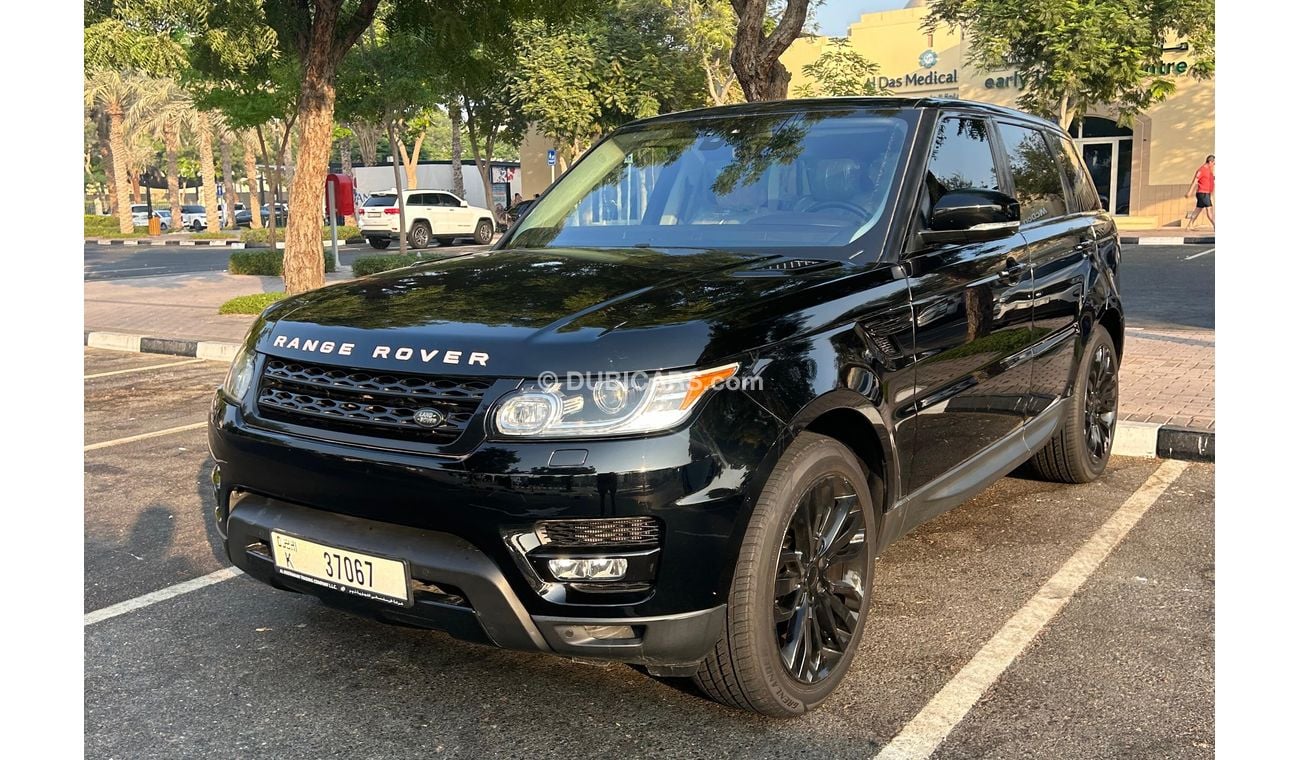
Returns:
<point x="517" y="200"/>
<point x="1203" y="187"/>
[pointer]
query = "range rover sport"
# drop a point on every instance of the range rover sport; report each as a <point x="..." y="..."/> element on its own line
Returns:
<point x="676" y="413"/>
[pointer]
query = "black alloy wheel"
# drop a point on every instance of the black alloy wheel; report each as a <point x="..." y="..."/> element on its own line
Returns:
<point x="819" y="589"/>
<point x="1101" y="404"/>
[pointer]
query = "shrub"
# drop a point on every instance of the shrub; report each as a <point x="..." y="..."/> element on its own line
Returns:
<point x="215" y="235"/>
<point x="346" y="232"/>
<point x="260" y="236"/>
<point x="97" y="226"/>
<point x="365" y="265"/>
<point x="251" y="304"/>
<point x="267" y="263"/>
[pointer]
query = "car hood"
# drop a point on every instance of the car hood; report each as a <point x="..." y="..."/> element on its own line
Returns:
<point x="522" y="312"/>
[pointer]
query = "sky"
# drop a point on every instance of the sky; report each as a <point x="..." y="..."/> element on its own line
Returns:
<point x="834" y="16"/>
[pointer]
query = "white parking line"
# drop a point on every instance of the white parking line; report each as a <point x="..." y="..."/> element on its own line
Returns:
<point x="142" y="436"/>
<point x="161" y="595"/>
<point x="925" y="732"/>
<point x="141" y="369"/>
<point x="1198" y="255"/>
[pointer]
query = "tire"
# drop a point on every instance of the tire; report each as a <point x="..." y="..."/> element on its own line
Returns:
<point x="1080" y="448"/>
<point x="379" y="243"/>
<point x="483" y="232"/>
<point x="421" y="235"/>
<point x="746" y="668"/>
<point x="196" y="227"/>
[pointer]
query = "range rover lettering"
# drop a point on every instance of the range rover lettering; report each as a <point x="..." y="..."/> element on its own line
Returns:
<point x="674" y="416"/>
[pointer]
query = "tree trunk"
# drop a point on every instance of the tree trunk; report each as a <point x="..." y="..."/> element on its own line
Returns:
<point x="1065" y="112"/>
<point x="303" y="264"/>
<point x="172" y="144"/>
<point x="110" y="171"/>
<point x="227" y="185"/>
<point x="457" y="173"/>
<point x="250" y="171"/>
<point x="367" y="143"/>
<point x="272" y="207"/>
<point x="207" y="165"/>
<point x="345" y="156"/>
<point x="117" y="146"/>
<point x="401" y="196"/>
<point x="412" y="169"/>
<point x="756" y="57"/>
<point x="482" y="157"/>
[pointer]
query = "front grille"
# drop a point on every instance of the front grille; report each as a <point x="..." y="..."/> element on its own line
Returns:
<point x="364" y="402"/>
<point x="618" y="531"/>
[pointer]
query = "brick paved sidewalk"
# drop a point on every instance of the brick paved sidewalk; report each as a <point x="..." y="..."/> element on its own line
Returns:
<point x="1167" y="376"/>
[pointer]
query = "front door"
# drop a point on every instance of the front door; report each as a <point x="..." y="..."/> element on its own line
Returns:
<point x="972" y="319"/>
<point x="1110" y="162"/>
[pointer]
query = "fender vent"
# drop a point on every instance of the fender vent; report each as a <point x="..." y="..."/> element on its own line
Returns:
<point x="786" y="266"/>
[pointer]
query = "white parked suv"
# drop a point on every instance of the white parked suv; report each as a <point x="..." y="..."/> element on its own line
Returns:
<point x="140" y="215"/>
<point x="430" y="215"/>
<point x="194" y="218"/>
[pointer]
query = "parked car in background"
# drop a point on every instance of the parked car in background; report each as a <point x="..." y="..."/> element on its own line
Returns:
<point x="221" y="208"/>
<point x="281" y="214"/>
<point x="140" y="215"/>
<point x="194" y="218"/>
<point x="516" y="211"/>
<point x="430" y="215"/>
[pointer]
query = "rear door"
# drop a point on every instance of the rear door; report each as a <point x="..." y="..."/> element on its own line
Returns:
<point x="1058" y="245"/>
<point x="971" y="315"/>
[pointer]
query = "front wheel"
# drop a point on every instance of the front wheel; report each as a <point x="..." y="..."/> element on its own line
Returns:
<point x="1080" y="448"/>
<point x="197" y="226"/>
<point x="379" y="243"/>
<point x="802" y="585"/>
<point x="483" y="232"/>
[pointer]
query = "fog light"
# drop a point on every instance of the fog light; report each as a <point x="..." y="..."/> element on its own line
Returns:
<point x="583" y="634"/>
<point x="590" y="569"/>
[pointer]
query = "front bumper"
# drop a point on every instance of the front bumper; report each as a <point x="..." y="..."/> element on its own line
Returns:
<point x="454" y="520"/>
<point x="458" y="589"/>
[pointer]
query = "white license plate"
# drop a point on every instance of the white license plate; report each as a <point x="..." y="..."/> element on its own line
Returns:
<point x="374" y="213"/>
<point x="378" y="578"/>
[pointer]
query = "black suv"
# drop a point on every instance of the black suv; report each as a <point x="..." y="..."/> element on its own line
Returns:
<point x="673" y="417"/>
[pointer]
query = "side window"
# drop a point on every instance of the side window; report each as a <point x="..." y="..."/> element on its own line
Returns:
<point x="1035" y="173"/>
<point x="1076" y="176"/>
<point x="442" y="199"/>
<point x="961" y="157"/>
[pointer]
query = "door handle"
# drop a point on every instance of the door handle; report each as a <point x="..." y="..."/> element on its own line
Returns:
<point x="1011" y="271"/>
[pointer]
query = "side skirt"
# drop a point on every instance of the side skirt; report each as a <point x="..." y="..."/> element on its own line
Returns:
<point x="966" y="480"/>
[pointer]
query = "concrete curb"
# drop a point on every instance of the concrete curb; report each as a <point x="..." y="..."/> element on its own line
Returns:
<point x="215" y="350"/>
<point x="178" y="241"/>
<point x="1132" y="439"/>
<point x="1166" y="240"/>
<point x="1149" y="439"/>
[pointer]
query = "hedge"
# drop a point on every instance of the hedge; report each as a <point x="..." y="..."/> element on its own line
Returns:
<point x="263" y="235"/>
<point x="267" y="263"/>
<point x="365" y="265"/>
<point x="250" y="304"/>
<point x="98" y="226"/>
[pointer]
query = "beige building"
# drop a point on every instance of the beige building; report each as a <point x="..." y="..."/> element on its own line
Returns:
<point x="1142" y="170"/>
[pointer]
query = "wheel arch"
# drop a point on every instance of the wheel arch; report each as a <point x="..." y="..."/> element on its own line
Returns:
<point x="855" y="427"/>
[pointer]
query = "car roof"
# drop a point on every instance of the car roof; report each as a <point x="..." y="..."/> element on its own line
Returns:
<point x="813" y="105"/>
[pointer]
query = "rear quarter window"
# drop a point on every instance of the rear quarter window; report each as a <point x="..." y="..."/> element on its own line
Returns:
<point x="1035" y="173"/>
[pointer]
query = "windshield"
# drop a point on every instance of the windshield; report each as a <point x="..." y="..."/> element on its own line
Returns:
<point x="788" y="180"/>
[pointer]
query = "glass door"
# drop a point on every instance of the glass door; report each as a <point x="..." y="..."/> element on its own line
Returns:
<point x="1110" y="162"/>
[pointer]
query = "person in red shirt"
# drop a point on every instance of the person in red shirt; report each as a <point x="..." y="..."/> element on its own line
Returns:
<point x="1203" y="186"/>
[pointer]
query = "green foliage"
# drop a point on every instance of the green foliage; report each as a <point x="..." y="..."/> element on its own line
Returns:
<point x="1074" y="54"/>
<point x="115" y="43"/>
<point x="250" y="304"/>
<point x="267" y="263"/>
<point x="215" y="235"/>
<point x="97" y="226"/>
<point x="589" y="77"/>
<point x="841" y="71"/>
<point x="255" y="235"/>
<point x="345" y="232"/>
<point x="367" y="265"/>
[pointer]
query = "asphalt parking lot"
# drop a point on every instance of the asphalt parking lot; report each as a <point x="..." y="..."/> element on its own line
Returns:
<point x="225" y="667"/>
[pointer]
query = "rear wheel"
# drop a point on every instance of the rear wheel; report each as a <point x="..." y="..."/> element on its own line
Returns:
<point x="379" y="243"/>
<point x="483" y="232"/>
<point x="420" y="235"/>
<point x="197" y="226"/>
<point x="802" y="585"/>
<point x="1080" y="449"/>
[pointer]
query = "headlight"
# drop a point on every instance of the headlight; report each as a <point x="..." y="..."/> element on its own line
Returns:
<point x="240" y="376"/>
<point x="607" y="405"/>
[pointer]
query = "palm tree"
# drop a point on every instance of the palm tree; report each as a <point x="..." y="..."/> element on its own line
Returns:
<point x="163" y="109"/>
<point x="114" y="92"/>
<point x="202" y="123"/>
<point x="250" y="170"/>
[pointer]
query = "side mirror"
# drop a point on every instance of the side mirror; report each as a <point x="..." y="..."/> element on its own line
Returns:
<point x="464" y="204"/>
<point x="972" y="215"/>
